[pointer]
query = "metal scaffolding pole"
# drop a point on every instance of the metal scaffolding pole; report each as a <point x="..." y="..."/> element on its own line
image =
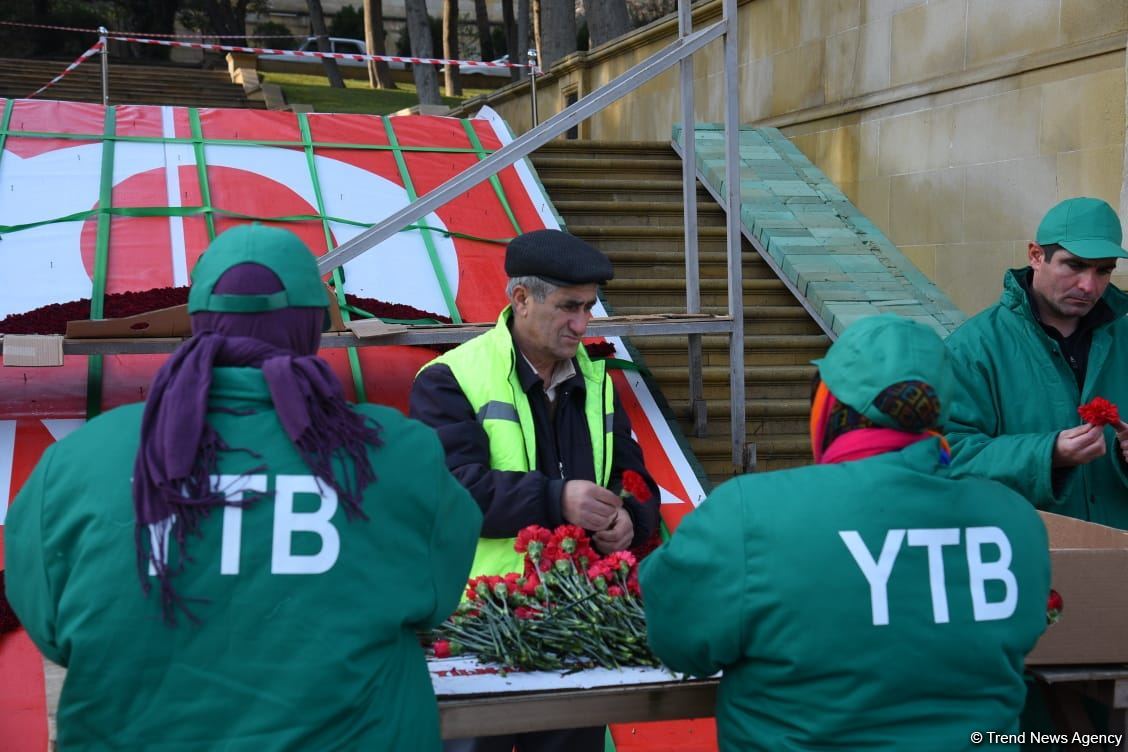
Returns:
<point x="521" y="146"/>
<point x="697" y="408"/>
<point x="105" y="57"/>
<point x="740" y="459"/>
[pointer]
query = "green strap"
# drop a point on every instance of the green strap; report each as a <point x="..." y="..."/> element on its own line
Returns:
<point x="494" y="181"/>
<point x="193" y="211"/>
<point x="202" y="168"/>
<point x="101" y="262"/>
<point x="338" y="276"/>
<point x="625" y="365"/>
<point x="428" y="240"/>
<point x="232" y="142"/>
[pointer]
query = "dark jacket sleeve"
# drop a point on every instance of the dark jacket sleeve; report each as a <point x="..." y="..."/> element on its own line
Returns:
<point x="628" y="456"/>
<point x="509" y="500"/>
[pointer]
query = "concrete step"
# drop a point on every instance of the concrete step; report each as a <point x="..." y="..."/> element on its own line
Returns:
<point x="758" y="350"/>
<point x="670" y="290"/>
<point x="609" y="150"/>
<point x="758" y="409"/>
<point x="133" y="84"/>
<point x="642" y="187"/>
<point x="753" y="374"/>
<point x="566" y="166"/>
<point x="772" y="453"/>
<point x="629" y="212"/>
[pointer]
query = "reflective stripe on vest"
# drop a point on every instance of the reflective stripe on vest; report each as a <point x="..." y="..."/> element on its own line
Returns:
<point x="486" y="372"/>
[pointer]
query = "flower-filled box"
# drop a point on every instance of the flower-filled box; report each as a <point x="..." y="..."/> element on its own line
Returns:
<point x="1090" y="572"/>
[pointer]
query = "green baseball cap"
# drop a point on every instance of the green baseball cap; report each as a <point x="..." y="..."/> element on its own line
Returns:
<point x="279" y="250"/>
<point x="1086" y="227"/>
<point x="879" y="351"/>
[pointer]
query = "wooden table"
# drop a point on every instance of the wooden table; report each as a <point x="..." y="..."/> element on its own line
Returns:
<point x="507" y="713"/>
<point x="1065" y="686"/>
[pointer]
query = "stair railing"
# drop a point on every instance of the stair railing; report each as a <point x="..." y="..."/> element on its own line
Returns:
<point x="105" y="57"/>
<point x="678" y="52"/>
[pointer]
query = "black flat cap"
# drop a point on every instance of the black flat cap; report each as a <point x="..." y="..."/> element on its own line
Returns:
<point x="558" y="258"/>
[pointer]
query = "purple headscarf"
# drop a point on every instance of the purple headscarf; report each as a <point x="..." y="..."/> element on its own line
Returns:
<point x="179" y="450"/>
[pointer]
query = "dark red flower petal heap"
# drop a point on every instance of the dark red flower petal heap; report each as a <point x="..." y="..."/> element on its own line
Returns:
<point x="8" y="620"/>
<point x="53" y="318"/>
<point x="596" y="350"/>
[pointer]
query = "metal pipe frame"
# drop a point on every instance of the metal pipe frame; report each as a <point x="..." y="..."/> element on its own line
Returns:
<point x="740" y="461"/>
<point x="697" y="407"/>
<point x="102" y="33"/>
<point x="522" y="146"/>
<point x="679" y="53"/>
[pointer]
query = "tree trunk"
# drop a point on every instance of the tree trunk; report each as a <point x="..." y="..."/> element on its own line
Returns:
<point x="482" y="18"/>
<point x="450" y="48"/>
<point x="153" y="16"/>
<point x="606" y="20"/>
<point x="379" y="75"/>
<point x="556" y="30"/>
<point x="510" y="25"/>
<point x="419" y="32"/>
<point x="524" y="15"/>
<point x="228" y="17"/>
<point x="317" y="23"/>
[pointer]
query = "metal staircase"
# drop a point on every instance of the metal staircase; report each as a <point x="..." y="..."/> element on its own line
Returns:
<point x="625" y="198"/>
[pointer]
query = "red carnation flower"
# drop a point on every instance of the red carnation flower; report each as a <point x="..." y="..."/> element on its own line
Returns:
<point x="441" y="648"/>
<point x="636" y="486"/>
<point x="1099" y="412"/>
<point x="1054" y="606"/>
<point x="620" y="561"/>
<point x="530" y="534"/>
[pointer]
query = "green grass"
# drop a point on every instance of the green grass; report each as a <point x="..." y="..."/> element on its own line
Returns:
<point x="357" y="96"/>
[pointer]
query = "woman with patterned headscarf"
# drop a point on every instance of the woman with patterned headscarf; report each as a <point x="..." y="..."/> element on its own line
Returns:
<point x="289" y="544"/>
<point x="869" y="601"/>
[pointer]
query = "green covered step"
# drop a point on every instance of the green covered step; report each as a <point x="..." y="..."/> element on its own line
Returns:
<point x="823" y="246"/>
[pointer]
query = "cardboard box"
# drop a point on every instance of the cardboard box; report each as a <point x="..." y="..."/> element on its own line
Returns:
<point x="163" y="322"/>
<point x="1090" y="572"/>
<point x="32" y="350"/>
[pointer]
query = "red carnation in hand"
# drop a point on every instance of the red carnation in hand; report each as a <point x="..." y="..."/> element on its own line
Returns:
<point x="636" y="486"/>
<point x="1054" y="607"/>
<point x="1099" y="412"/>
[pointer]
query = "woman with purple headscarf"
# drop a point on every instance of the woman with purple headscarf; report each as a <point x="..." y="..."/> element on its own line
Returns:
<point x="289" y="544"/>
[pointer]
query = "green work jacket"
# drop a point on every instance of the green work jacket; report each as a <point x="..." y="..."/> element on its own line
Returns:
<point x="1017" y="393"/>
<point x="308" y="622"/>
<point x="867" y="605"/>
<point x="486" y="372"/>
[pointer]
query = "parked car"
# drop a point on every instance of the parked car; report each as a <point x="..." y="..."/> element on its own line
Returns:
<point x="336" y="44"/>
<point x="486" y="71"/>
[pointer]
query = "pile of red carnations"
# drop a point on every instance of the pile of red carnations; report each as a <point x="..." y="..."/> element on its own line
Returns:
<point x="570" y="609"/>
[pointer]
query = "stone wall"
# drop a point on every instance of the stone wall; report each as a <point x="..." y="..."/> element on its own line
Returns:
<point x="953" y="124"/>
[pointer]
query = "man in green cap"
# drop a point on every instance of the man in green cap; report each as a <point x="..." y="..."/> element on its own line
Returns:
<point x="1055" y="340"/>
<point x="288" y="544"/>
<point x="869" y="601"/>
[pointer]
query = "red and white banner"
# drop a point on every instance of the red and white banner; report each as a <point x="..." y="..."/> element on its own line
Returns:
<point x="357" y="169"/>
